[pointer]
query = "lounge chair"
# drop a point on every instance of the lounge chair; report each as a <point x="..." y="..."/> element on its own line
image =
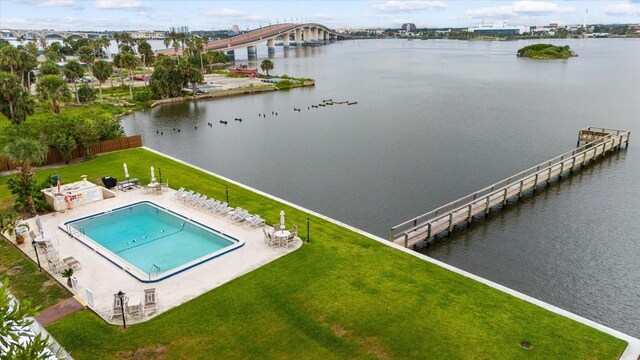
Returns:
<point x="116" y="309"/>
<point x="243" y="216"/>
<point x="185" y="195"/>
<point x="213" y="205"/>
<point x="224" y="209"/>
<point x="197" y="202"/>
<point x="56" y="266"/>
<point x="72" y="262"/>
<point x="254" y="221"/>
<point x="150" y="302"/>
<point x="235" y="212"/>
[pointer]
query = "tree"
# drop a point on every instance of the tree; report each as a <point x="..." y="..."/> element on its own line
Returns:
<point x="52" y="88"/>
<point x="266" y="65"/>
<point x="10" y="58"/>
<point x="74" y="71"/>
<point x="53" y="56"/>
<point x="49" y="68"/>
<point x="32" y="48"/>
<point x="28" y="62"/>
<point x="25" y="152"/>
<point x="86" y="55"/>
<point x="15" y="318"/>
<point x="102" y="70"/>
<point x="86" y="93"/>
<point x="144" y="49"/>
<point x="129" y="62"/>
<point x="88" y="134"/>
<point x="16" y="104"/>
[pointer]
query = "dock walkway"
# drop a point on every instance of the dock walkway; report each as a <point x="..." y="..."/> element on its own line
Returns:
<point x="599" y="142"/>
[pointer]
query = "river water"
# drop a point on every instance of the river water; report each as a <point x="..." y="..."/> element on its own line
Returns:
<point x="436" y="120"/>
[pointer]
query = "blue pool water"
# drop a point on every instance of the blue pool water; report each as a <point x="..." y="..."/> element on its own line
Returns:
<point x="151" y="238"/>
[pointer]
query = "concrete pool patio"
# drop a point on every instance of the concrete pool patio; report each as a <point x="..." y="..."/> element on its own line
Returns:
<point x="104" y="279"/>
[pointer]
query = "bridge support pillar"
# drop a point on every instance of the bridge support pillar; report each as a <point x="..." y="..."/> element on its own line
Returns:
<point x="252" y="53"/>
<point x="285" y="41"/>
<point x="314" y="35"/>
<point x="271" y="46"/>
<point x="307" y="36"/>
<point x="231" y="55"/>
<point x="297" y="37"/>
<point x="320" y="36"/>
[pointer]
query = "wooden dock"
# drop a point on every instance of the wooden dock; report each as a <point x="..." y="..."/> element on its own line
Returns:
<point x="599" y="142"/>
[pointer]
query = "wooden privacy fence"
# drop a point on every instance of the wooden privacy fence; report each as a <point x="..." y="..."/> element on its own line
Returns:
<point x="54" y="155"/>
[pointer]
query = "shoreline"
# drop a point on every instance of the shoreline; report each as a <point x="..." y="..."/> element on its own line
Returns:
<point x="219" y="94"/>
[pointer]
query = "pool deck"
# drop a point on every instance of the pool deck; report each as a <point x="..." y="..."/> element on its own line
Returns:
<point x="104" y="279"/>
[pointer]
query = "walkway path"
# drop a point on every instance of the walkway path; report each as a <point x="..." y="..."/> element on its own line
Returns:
<point x="59" y="310"/>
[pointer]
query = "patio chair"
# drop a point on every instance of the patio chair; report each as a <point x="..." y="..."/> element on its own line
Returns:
<point x="277" y="227"/>
<point x="254" y="221"/>
<point x="213" y="205"/>
<point x="72" y="262"/>
<point x="157" y="189"/>
<point x="150" y="302"/>
<point x="56" y="266"/>
<point x="116" y="309"/>
<point x="185" y="195"/>
<point x="294" y="229"/>
<point x="289" y="241"/>
<point x="235" y="212"/>
<point x="241" y="216"/>
<point x="224" y="209"/>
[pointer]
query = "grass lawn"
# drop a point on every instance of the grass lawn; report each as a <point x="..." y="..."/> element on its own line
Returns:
<point x="341" y="296"/>
<point x="25" y="281"/>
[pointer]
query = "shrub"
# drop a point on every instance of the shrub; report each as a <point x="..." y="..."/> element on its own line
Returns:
<point x="86" y="93"/>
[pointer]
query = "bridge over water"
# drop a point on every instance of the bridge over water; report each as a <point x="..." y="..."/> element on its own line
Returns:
<point x="289" y="34"/>
<point x="31" y="34"/>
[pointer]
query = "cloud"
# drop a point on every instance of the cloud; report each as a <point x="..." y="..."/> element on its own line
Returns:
<point x="622" y="9"/>
<point x="520" y="8"/>
<point x="120" y="4"/>
<point x="326" y="17"/>
<point x="394" y="6"/>
<point x="53" y="3"/>
<point x="235" y="15"/>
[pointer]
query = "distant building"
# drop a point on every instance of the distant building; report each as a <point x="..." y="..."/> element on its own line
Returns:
<point x="409" y="27"/>
<point x="179" y="29"/>
<point x="235" y="29"/>
<point x="499" y="30"/>
<point x="147" y="34"/>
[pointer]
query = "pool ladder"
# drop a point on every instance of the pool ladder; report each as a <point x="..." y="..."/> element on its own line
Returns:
<point x="154" y="266"/>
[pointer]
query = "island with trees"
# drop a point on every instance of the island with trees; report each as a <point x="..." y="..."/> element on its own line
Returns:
<point x="546" y="51"/>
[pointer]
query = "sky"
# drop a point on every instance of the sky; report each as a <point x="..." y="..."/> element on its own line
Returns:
<point x="216" y="15"/>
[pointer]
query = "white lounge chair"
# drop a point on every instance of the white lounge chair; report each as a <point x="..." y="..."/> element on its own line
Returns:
<point x="213" y="205"/>
<point x="116" y="309"/>
<point x="185" y="195"/>
<point x="235" y="213"/>
<point x="150" y="302"/>
<point x="224" y="209"/>
<point x="254" y="221"/>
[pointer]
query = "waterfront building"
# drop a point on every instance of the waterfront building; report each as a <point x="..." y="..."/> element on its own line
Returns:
<point x="147" y="34"/>
<point x="499" y="30"/>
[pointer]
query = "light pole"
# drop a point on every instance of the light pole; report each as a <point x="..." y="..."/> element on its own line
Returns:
<point x="35" y="248"/>
<point x="226" y="190"/>
<point x="121" y="296"/>
<point x="307" y="230"/>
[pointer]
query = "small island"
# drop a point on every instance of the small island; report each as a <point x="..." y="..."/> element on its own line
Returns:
<point x="546" y="51"/>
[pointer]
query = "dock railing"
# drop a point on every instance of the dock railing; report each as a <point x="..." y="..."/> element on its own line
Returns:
<point x="596" y="138"/>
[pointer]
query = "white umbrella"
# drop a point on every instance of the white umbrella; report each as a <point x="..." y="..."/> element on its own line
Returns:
<point x="39" y="225"/>
<point x="153" y="176"/>
<point x="282" y="219"/>
<point x="126" y="171"/>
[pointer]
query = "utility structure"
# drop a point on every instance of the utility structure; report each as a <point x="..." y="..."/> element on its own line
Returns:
<point x="598" y="143"/>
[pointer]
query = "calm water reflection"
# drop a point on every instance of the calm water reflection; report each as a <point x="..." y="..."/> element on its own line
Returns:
<point x="436" y="120"/>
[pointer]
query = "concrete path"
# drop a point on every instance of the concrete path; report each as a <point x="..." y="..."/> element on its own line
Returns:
<point x="59" y="310"/>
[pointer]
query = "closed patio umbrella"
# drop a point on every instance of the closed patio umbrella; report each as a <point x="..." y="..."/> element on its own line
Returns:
<point x="39" y="225"/>
<point x="126" y="171"/>
<point x="153" y="175"/>
<point x="282" y="219"/>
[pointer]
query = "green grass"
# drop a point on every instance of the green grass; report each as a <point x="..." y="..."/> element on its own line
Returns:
<point x="27" y="283"/>
<point x="341" y="296"/>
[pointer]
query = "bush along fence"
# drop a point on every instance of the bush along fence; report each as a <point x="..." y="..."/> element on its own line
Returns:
<point x="54" y="156"/>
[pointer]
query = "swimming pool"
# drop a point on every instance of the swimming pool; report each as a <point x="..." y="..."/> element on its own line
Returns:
<point x="150" y="242"/>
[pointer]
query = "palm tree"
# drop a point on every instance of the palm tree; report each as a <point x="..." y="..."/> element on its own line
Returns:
<point x="266" y="65"/>
<point x="105" y="42"/>
<point x="74" y="71"/>
<point x="28" y="62"/>
<point x="102" y="70"/>
<point x="129" y="62"/>
<point x="25" y="152"/>
<point x="86" y="54"/>
<point x="10" y="58"/>
<point x="52" y="88"/>
<point x="16" y="104"/>
<point x="198" y="45"/>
